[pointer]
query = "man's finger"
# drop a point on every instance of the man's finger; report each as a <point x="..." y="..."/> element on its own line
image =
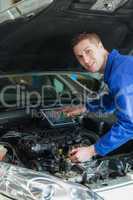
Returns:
<point x="74" y="158"/>
<point x="73" y="151"/>
<point x="72" y="113"/>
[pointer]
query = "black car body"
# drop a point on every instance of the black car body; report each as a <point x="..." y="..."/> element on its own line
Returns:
<point x="35" y="45"/>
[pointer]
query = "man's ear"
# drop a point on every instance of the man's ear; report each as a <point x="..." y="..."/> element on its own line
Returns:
<point x="100" y="44"/>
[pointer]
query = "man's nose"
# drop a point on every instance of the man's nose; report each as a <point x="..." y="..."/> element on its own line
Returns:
<point x="86" y="58"/>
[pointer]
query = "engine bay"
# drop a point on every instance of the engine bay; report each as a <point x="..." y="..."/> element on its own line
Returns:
<point x="35" y="144"/>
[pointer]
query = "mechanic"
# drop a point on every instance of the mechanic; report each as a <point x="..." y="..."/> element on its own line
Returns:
<point x="118" y="75"/>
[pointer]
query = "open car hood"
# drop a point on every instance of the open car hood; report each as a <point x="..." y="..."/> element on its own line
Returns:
<point x="43" y="41"/>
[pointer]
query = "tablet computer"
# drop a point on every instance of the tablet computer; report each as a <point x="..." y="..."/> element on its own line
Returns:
<point x="56" y="117"/>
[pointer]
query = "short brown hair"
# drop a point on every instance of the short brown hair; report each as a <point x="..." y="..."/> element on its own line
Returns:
<point x="91" y="36"/>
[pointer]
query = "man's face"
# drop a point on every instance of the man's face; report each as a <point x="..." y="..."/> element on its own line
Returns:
<point x="90" y="55"/>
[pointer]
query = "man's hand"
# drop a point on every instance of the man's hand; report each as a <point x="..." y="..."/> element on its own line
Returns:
<point x="82" y="154"/>
<point x="3" y="152"/>
<point x="74" y="110"/>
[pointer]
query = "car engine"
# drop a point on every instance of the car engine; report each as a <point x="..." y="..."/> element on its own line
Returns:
<point x="34" y="144"/>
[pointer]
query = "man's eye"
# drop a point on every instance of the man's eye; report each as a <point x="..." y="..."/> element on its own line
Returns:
<point x="88" y="51"/>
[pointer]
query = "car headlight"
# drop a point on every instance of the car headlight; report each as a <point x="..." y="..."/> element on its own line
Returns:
<point x="48" y="192"/>
<point x="78" y="194"/>
<point x="20" y="183"/>
<point x="52" y="188"/>
<point x="41" y="189"/>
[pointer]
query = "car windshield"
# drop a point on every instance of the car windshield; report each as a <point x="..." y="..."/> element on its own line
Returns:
<point x="22" y="89"/>
<point x="13" y="9"/>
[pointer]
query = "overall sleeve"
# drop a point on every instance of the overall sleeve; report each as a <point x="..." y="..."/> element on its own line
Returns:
<point x="104" y="104"/>
<point x="122" y="130"/>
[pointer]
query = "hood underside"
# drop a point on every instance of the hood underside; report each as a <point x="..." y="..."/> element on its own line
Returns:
<point x="43" y="42"/>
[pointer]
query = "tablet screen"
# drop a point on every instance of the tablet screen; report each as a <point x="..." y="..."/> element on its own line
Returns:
<point x="56" y="117"/>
